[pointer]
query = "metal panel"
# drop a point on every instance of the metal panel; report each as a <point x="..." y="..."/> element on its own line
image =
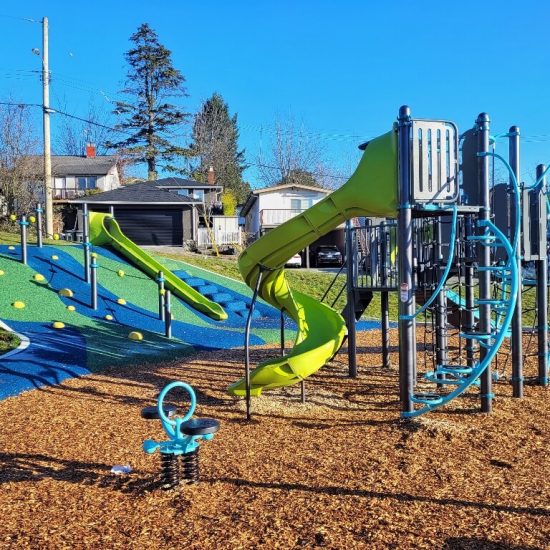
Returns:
<point x="434" y="161"/>
<point x="152" y="227"/>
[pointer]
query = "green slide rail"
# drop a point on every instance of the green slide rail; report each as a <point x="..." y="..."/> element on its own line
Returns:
<point x="105" y="230"/>
<point x="371" y="191"/>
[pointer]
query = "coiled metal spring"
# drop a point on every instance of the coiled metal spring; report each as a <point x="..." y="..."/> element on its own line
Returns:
<point x="170" y="474"/>
<point x="190" y="464"/>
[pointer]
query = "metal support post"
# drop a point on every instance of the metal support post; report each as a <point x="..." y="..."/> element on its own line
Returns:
<point x="167" y="315"/>
<point x="542" y="287"/>
<point x="407" y="347"/>
<point x="468" y="324"/>
<point x="303" y="391"/>
<point x="24" y="223"/>
<point x="112" y="211"/>
<point x="484" y="257"/>
<point x="385" y="313"/>
<point x="247" y="343"/>
<point x="86" y="242"/>
<point x="39" y="225"/>
<point x="384" y="300"/>
<point x="162" y="294"/>
<point x="441" y="302"/>
<point x="93" y="286"/>
<point x="517" y="325"/>
<point x="352" y="335"/>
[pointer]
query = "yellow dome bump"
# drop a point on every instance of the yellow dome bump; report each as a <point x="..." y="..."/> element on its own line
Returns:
<point x="58" y="324"/>
<point x="71" y="308"/>
<point x="120" y="273"/>
<point x="55" y="257"/>
<point x="11" y="247"/>
<point x="13" y="217"/>
<point x="2" y="272"/>
<point x="66" y="292"/>
<point x="121" y="301"/>
<point x="32" y="219"/>
<point x="135" y="335"/>
<point x="39" y="278"/>
<point x="55" y="237"/>
<point x="18" y="304"/>
<point x="108" y="317"/>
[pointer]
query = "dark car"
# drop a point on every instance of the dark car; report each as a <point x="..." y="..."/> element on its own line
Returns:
<point x="327" y="254"/>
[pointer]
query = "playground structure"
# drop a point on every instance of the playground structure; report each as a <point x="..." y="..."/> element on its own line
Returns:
<point x="433" y="235"/>
<point x="440" y="238"/>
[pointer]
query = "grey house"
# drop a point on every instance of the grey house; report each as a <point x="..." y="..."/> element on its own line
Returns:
<point x="162" y="212"/>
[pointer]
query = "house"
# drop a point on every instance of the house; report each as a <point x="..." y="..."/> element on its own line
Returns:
<point x="269" y="207"/>
<point x="74" y="176"/>
<point x="170" y="211"/>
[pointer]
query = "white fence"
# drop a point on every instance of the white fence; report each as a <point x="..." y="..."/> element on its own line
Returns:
<point x="220" y="237"/>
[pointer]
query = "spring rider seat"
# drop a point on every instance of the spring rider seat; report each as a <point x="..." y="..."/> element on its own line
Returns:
<point x="179" y="455"/>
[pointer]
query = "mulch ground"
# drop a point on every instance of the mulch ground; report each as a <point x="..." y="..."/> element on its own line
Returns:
<point x="340" y="471"/>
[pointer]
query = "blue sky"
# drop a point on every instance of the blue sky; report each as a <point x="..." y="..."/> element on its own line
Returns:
<point x="343" y="68"/>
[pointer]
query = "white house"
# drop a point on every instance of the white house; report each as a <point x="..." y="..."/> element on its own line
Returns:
<point x="267" y="208"/>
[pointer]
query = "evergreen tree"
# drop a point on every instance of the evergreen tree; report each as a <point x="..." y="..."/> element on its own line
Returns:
<point x="215" y="144"/>
<point x="148" y="117"/>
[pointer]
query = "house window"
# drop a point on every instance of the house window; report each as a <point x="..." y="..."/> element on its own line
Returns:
<point x="86" y="182"/>
<point x="183" y="192"/>
<point x="300" y="204"/>
<point x="198" y="194"/>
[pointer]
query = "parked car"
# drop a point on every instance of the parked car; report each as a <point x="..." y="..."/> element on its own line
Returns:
<point x="327" y="254"/>
<point x="295" y="261"/>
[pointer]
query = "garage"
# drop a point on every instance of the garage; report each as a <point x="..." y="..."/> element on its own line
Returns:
<point x="152" y="227"/>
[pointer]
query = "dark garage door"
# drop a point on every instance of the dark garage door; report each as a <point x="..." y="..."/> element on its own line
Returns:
<point x="156" y="227"/>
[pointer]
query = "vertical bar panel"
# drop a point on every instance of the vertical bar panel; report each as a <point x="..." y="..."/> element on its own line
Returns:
<point x="86" y="242"/>
<point x="39" y="225"/>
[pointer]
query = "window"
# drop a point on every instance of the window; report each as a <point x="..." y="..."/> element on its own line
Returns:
<point x="198" y="194"/>
<point x="295" y="204"/>
<point x="86" y="182"/>
<point x="183" y="192"/>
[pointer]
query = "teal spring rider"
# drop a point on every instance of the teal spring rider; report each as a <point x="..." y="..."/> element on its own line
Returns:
<point x="179" y="455"/>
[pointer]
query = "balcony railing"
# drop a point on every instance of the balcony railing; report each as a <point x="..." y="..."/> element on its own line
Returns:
<point x="68" y="193"/>
<point x="277" y="216"/>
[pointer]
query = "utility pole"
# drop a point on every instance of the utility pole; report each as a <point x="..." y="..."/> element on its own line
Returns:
<point x="46" y="120"/>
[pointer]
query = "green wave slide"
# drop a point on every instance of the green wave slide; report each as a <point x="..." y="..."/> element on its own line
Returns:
<point x="105" y="230"/>
<point x="371" y="191"/>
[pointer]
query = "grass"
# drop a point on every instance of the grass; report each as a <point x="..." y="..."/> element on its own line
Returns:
<point x="313" y="283"/>
<point x="13" y="237"/>
<point x="8" y="341"/>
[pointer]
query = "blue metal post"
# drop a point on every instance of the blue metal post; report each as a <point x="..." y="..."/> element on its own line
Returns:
<point x="24" y="223"/>
<point x="484" y="257"/>
<point x="86" y="242"/>
<point x="39" y="225"/>
<point x="407" y="346"/>
<point x="93" y="286"/>
<point x="517" y="325"/>
<point x="167" y="315"/>
<point x="162" y="294"/>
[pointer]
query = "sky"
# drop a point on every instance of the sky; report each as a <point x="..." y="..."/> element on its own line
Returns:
<point x="341" y="68"/>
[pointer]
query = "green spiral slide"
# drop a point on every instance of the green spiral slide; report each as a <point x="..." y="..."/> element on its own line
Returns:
<point x="371" y="191"/>
<point x="105" y="230"/>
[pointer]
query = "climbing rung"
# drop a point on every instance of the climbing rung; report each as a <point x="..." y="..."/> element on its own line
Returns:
<point x="476" y="335"/>
<point x="493" y="268"/>
<point x="427" y="398"/>
<point x="483" y="239"/>
<point x="454" y="369"/>
<point x="491" y="302"/>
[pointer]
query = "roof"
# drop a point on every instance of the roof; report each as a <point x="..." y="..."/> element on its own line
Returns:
<point x="137" y="193"/>
<point x="65" y="165"/>
<point x="253" y="196"/>
<point x="184" y="183"/>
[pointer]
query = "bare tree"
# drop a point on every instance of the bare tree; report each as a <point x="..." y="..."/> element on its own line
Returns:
<point x="21" y="178"/>
<point x="294" y="155"/>
<point x="73" y="134"/>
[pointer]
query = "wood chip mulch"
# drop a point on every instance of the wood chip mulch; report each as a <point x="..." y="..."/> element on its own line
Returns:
<point x="340" y="471"/>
